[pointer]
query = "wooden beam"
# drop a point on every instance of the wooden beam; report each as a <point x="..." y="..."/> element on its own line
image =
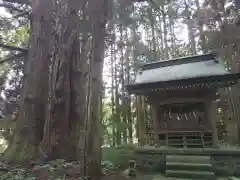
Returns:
<point x="181" y="100"/>
<point x="141" y="120"/>
<point x="207" y="82"/>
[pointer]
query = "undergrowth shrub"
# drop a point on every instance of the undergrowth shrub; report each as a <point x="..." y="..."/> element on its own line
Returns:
<point x="18" y="174"/>
<point x="119" y="156"/>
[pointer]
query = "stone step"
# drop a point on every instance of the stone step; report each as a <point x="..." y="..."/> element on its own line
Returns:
<point x="188" y="166"/>
<point x="188" y="159"/>
<point x="193" y="140"/>
<point x="171" y="178"/>
<point x="161" y="177"/>
<point x="190" y="174"/>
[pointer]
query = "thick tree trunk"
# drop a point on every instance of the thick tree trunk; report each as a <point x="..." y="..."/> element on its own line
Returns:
<point x="67" y="99"/>
<point x="30" y="122"/>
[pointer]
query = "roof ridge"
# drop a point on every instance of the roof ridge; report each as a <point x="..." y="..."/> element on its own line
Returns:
<point x="181" y="60"/>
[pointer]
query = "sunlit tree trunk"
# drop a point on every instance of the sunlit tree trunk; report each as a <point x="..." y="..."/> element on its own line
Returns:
<point x="152" y="24"/>
<point x="112" y="95"/>
<point x="117" y="117"/>
<point x="174" y="52"/>
<point x="191" y="35"/>
<point x="98" y="18"/>
<point x="203" y="42"/>
<point x="161" y="38"/>
<point x="128" y="97"/>
<point x="164" y="15"/>
<point x="122" y="79"/>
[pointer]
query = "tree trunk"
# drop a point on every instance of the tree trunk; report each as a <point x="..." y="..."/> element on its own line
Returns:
<point x="172" y="37"/>
<point x="123" y="104"/>
<point x="152" y="24"/>
<point x="190" y="24"/>
<point x="128" y="97"/>
<point x="203" y="41"/>
<point x="166" y="53"/>
<point x="98" y="21"/>
<point x="30" y="122"/>
<point x="68" y="99"/>
<point x="117" y="117"/>
<point x="112" y="96"/>
<point x="161" y="37"/>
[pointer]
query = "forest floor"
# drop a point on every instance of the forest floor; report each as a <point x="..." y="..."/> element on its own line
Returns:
<point x="62" y="170"/>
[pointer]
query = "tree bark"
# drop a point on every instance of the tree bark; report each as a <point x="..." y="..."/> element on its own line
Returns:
<point x="123" y="104"/>
<point x="152" y="24"/>
<point x="98" y="17"/>
<point x="117" y="105"/>
<point x="30" y="122"/>
<point x="128" y="97"/>
<point x="166" y="53"/>
<point x="64" y="129"/>
<point x="191" y="35"/>
<point x="112" y="95"/>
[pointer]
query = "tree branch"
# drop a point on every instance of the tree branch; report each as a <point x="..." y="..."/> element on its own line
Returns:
<point x="12" y="58"/>
<point x="10" y="6"/>
<point x="14" y="48"/>
<point x="21" y="14"/>
<point x="27" y="2"/>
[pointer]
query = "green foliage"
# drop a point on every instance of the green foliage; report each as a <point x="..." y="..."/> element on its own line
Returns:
<point x="21" y="35"/>
<point x="118" y="156"/>
<point x="18" y="174"/>
<point x="19" y="154"/>
<point x="108" y="166"/>
<point x="53" y="170"/>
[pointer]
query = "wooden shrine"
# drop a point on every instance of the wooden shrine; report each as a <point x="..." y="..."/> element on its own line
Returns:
<point x="182" y="94"/>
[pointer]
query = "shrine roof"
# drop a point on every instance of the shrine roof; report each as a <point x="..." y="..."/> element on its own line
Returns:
<point x="181" y="68"/>
<point x="205" y="70"/>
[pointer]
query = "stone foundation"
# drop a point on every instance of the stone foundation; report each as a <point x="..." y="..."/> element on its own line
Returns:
<point x="225" y="162"/>
<point x="151" y="162"/>
<point x="226" y="165"/>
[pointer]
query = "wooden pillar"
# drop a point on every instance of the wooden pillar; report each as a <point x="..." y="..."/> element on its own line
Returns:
<point x="141" y="120"/>
<point x="155" y="123"/>
<point x="211" y="112"/>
